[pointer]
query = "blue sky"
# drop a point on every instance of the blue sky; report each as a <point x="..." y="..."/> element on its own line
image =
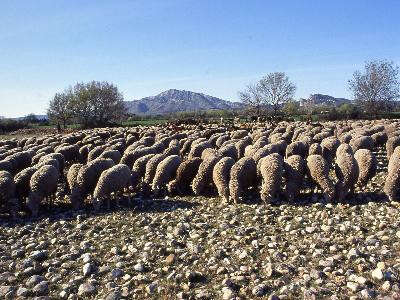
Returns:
<point x="214" y="47"/>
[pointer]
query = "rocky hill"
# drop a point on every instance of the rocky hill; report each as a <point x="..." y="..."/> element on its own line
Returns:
<point x="319" y="99"/>
<point x="177" y="100"/>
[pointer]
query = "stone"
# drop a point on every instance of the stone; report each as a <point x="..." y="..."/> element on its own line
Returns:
<point x="86" y="289"/>
<point x="22" y="292"/>
<point x="259" y="290"/>
<point x="117" y="273"/>
<point x="87" y="269"/>
<point x="114" y="295"/>
<point x="41" y="289"/>
<point x="151" y="288"/>
<point x="5" y="289"/>
<point x="353" y="286"/>
<point x="377" y="274"/>
<point x="170" y="259"/>
<point x="138" y="267"/>
<point x="39" y="255"/>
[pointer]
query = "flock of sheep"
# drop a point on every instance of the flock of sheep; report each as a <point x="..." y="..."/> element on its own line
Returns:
<point x="274" y="161"/>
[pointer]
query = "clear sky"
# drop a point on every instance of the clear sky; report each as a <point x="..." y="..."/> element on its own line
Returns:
<point x="214" y="47"/>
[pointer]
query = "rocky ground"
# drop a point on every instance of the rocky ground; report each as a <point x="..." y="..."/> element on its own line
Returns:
<point x="198" y="248"/>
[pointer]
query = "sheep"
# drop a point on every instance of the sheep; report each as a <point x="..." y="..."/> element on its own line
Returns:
<point x="165" y="172"/>
<point x="241" y="146"/>
<point x="48" y="162"/>
<point x="221" y="177"/>
<point x="112" y="180"/>
<point x="379" y="138"/>
<point x="7" y="192"/>
<point x="22" y="181"/>
<point x="362" y="142"/>
<point x="347" y="171"/>
<point x="329" y="146"/>
<point x="129" y="158"/>
<point x="314" y="149"/>
<point x="70" y="152"/>
<point x="83" y="153"/>
<point x="86" y="179"/>
<point x="6" y="166"/>
<point x="243" y="175"/>
<point x="296" y="148"/>
<point x="139" y="169"/>
<point x="391" y="144"/>
<point x="228" y="150"/>
<point x="271" y="169"/>
<point x="367" y="164"/>
<point x="151" y="167"/>
<point x="197" y="148"/>
<point x="203" y="178"/>
<point x="95" y="153"/>
<point x="185" y="174"/>
<point x="43" y="184"/>
<point x="57" y="156"/>
<point x="318" y="171"/>
<point x="73" y="174"/>
<point x="115" y="155"/>
<point x="19" y="161"/>
<point x="392" y="182"/>
<point x="344" y="148"/>
<point x="294" y="171"/>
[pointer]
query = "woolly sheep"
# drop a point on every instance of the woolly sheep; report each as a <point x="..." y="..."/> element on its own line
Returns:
<point x="296" y="148"/>
<point x="151" y="167"/>
<point x="318" y="170"/>
<point x="73" y="174"/>
<point x="7" y="192"/>
<point x="315" y="148"/>
<point x="22" y="181"/>
<point x="392" y="182"/>
<point x="43" y="184"/>
<point x="19" y="161"/>
<point x="139" y="169"/>
<point x="115" y="155"/>
<point x="48" y="162"/>
<point x="57" y="156"/>
<point x="6" y="166"/>
<point x="112" y="180"/>
<point x="271" y="169"/>
<point x="198" y="148"/>
<point x="185" y="174"/>
<point x="379" y="138"/>
<point x="294" y="171"/>
<point x="391" y="144"/>
<point x="243" y="175"/>
<point x="221" y="177"/>
<point x="86" y="179"/>
<point x="228" y="150"/>
<point x="367" y="164"/>
<point x="347" y="171"/>
<point x="165" y="172"/>
<point x="362" y="142"/>
<point x="203" y="178"/>
<point x="70" y="152"/>
<point x="344" y="148"/>
<point x="329" y="146"/>
<point x="95" y="153"/>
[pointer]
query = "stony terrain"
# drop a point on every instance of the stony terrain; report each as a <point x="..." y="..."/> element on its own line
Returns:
<point x="198" y="248"/>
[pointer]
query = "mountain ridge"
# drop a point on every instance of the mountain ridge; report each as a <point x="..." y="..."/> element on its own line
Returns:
<point x="173" y="100"/>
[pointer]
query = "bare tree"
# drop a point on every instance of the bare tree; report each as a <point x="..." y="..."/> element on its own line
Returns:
<point x="252" y="98"/>
<point x="275" y="89"/>
<point x="377" y="86"/>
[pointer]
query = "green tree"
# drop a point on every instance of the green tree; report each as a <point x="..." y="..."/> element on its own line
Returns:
<point x="60" y="108"/>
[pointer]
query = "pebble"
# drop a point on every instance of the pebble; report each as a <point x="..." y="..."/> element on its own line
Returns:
<point x="86" y="289"/>
<point x="377" y="274"/>
<point x="259" y="290"/>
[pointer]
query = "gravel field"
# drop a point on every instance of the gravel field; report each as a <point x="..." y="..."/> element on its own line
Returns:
<point x="199" y="248"/>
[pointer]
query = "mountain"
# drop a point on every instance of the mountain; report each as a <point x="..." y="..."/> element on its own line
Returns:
<point x="319" y="99"/>
<point x="177" y="100"/>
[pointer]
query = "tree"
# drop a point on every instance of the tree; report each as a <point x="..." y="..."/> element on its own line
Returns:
<point x="252" y="98"/>
<point x="89" y="104"/>
<point x="291" y="108"/>
<point x="31" y="119"/>
<point x="97" y="104"/>
<point x="275" y="90"/>
<point x="377" y="87"/>
<point x="60" y="108"/>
